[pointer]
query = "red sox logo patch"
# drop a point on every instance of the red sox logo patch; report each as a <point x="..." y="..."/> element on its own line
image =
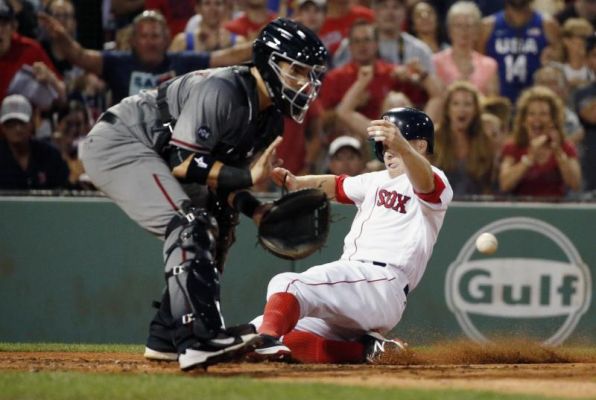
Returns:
<point x="393" y="200"/>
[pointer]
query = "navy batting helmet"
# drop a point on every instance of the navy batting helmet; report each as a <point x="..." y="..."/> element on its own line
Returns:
<point x="412" y="123"/>
<point x="289" y="41"/>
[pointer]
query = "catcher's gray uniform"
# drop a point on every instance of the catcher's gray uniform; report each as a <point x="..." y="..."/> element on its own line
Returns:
<point x="129" y="154"/>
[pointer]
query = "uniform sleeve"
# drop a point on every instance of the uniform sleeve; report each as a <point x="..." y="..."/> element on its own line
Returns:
<point x="208" y="115"/>
<point x="442" y="194"/>
<point x="352" y="189"/>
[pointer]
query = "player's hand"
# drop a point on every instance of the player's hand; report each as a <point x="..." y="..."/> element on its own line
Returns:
<point x="261" y="169"/>
<point x="385" y="131"/>
<point x="282" y="177"/>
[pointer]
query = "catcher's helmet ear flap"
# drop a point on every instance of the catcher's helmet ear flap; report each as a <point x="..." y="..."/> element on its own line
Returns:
<point x="413" y="124"/>
<point x="284" y="40"/>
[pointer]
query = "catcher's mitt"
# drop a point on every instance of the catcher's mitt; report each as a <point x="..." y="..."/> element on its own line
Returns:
<point x="296" y="225"/>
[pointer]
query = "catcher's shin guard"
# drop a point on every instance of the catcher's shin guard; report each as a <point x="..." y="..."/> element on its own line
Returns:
<point x="192" y="278"/>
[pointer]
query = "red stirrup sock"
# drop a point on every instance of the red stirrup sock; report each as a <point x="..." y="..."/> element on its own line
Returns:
<point x="313" y="349"/>
<point x="281" y="314"/>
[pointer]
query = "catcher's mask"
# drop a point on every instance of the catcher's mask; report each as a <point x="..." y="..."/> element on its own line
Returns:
<point x="413" y="124"/>
<point x="291" y="89"/>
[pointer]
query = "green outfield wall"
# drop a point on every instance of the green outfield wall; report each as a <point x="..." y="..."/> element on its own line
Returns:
<point x="77" y="270"/>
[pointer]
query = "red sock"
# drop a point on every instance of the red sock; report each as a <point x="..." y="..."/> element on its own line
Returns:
<point x="310" y="348"/>
<point x="281" y="314"/>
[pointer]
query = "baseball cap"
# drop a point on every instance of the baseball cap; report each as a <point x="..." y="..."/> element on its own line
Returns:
<point x="15" y="107"/>
<point x="318" y="3"/>
<point x="344" y="141"/>
<point x="6" y="11"/>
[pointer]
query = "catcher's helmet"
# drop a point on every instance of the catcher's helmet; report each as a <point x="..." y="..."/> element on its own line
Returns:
<point x="289" y="41"/>
<point x="412" y="123"/>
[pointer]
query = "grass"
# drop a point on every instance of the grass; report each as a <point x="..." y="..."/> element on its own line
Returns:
<point x="76" y="386"/>
<point x="16" y="385"/>
<point x="70" y="347"/>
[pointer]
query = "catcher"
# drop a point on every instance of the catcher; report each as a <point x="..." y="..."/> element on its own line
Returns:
<point x="338" y="312"/>
<point x="177" y="159"/>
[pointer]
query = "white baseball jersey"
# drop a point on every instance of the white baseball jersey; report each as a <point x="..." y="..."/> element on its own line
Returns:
<point x="394" y="225"/>
<point x="385" y="255"/>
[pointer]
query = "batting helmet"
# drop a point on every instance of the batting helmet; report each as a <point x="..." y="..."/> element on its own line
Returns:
<point x="289" y="41"/>
<point x="412" y="123"/>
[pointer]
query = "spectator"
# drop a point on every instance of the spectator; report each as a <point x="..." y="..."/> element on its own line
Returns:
<point x="210" y="34"/>
<point x="25" y="15"/>
<point x="538" y="160"/>
<point x="73" y="125"/>
<point x="424" y="24"/>
<point x="575" y="32"/>
<point x="461" y="62"/>
<point x="554" y="79"/>
<point x="176" y="12"/>
<point x="25" y="162"/>
<point x="463" y="150"/>
<point x="341" y="15"/>
<point x="347" y="112"/>
<point x="516" y="38"/>
<point x="493" y="128"/>
<point x="64" y="12"/>
<point x="252" y="20"/>
<point x="346" y="156"/>
<point x="578" y="9"/>
<point x="126" y="73"/>
<point x="385" y="77"/>
<point x="501" y="107"/>
<point x="17" y="51"/>
<point x="585" y="103"/>
<point x="301" y="148"/>
<point x="394" y="46"/>
<point x="311" y="13"/>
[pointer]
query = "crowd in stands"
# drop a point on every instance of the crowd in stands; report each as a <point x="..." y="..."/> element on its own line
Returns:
<point x="509" y="84"/>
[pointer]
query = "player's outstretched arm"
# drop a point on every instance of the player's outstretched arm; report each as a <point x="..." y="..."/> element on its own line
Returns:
<point x="415" y="164"/>
<point x="284" y="178"/>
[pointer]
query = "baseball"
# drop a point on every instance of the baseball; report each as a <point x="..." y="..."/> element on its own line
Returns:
<point x="487" y="243"/>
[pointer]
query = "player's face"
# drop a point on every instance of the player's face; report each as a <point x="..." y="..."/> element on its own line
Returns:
<point x="149" y="42"/>
<point x="390" y="14"/>
<point x="363" y="45"/>
<point x="538" y="118"/>
<point x="393" y="163"/>
<point x="461" y="110"/>
<point x="311" y="16"/>
<point x="294" y="76"/>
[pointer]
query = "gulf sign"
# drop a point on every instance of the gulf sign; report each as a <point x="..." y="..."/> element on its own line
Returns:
<point x="539" y="288"/>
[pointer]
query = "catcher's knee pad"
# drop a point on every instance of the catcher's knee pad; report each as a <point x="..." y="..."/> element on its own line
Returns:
<point x="192" y="276"/>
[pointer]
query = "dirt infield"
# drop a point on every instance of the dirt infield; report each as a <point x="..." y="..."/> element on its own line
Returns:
<point x="520" y="368"/>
